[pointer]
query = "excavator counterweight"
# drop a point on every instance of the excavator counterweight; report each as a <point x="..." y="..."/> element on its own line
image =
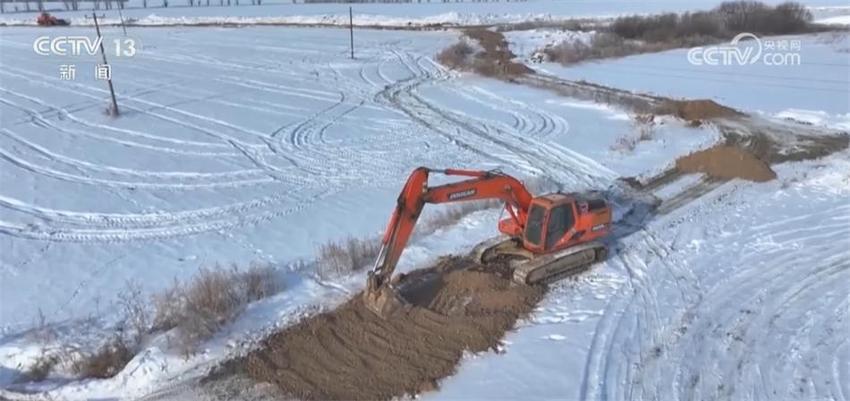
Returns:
<point x="546" y="237"/>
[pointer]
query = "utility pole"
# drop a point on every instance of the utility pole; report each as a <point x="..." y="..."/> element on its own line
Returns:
<point x="103" y="54"/>
<point x="351" y="30"/>
<point x="121" y="15"/>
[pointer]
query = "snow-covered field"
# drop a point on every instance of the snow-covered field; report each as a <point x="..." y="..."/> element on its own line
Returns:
<point x="400" y="14"/>
<point x="816" y="90"/>
<point x="742" y="294"/>
<point x="262" y="143"/>
<point x="223" y="155"/>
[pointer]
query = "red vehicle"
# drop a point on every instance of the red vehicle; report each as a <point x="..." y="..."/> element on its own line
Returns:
<point x="547" y="237"/>
<point x="45" y="19"/>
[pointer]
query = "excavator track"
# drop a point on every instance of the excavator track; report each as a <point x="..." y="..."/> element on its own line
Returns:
<point x="550" y="268"/>
<point x="546" y="269"/>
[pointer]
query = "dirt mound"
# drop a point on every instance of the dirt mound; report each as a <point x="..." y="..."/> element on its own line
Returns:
<point x="497" y="59"/>
<point x="726" y="162"/>
<point x="352" y="354"/>
<point x="696" y="110"/>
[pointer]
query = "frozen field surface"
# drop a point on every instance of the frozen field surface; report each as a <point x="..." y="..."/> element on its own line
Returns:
<point x="816" y="90"/>
<point x="240" y="157"/>
<point x="730" y="297"/>
<point x="226" y="154"/>
<point x="223" y="155"/>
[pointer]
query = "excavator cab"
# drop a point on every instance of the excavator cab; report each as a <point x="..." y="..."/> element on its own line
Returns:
<point x="558" y="221"/>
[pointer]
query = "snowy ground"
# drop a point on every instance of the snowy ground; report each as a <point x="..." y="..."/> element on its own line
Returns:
<point x="227" y="155"/>
<point x="816" y="91"/>
<point x="402" y="14"/>
<point x="742" y="294"/>
<point x="240" y="158"/>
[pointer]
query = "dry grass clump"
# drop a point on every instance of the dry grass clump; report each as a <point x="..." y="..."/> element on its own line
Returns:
<point x="457" y="56"/>
<point x="602" y="45"/>
<point x="350" y="255"/>
<point x="107" y="360"/>
<point x="197" y="309"/>
<point x="494" y="59"/>
<point x="40" y="368"/>
<point x="214" y="297"/>
<point x="643" y="129"/>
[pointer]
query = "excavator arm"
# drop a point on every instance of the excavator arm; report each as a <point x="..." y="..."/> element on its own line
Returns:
<point x="416" y="193"/>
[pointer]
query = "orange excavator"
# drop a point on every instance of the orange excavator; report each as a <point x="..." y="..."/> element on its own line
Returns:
<point x="545" y="238"/>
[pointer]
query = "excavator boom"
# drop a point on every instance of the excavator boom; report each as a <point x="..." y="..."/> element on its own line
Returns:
<point x="416" y="193"/>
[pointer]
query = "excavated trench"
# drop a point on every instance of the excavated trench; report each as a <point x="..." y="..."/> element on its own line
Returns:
<point x="352" y="354"/>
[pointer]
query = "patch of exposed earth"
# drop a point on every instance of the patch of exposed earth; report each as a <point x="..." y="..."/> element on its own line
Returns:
<point x="350" y="353"/>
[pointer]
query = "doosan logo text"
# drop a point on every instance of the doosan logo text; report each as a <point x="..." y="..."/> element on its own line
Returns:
<point x="462" y="194"/>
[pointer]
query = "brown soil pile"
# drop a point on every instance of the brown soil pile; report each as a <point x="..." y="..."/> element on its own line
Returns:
<point x="696" y="110"/>
<point x="352" y="354"/>
<point x="726" y="162"/>
<point x="496" y="60"/>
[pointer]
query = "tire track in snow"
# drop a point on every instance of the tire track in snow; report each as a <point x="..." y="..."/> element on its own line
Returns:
<point x="721" y="331"/>
<point x="123" y="233"/>
<point x="39" y="119"/>
<point x="508" y="148"/>
<point x="141" y="220"/>
<point x="84" y="90"/>
<point x="83" y="165"/>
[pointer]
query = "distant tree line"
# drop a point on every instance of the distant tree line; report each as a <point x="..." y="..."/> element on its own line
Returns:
<point x="405" y="1"/>
<point x="71" y="5"/>
<point x="74" y="5"/>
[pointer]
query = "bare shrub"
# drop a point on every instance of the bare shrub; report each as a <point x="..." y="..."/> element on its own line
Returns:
<point x="107" y="360"/>
<point x="701" y="23"/>
<point x="352" y="254"/>
<point x="136" y="314"/>
<point x="755" y="17"/>
<point x="650" y="27"/>
<point x="625" y="143"/>
<point x="643" y="129"/>
<point x="790" y="17"/>
<point x="41" y="368"/>
<point x="458" y="55"/>
<point x="643" y="34"/>
<point x="603" y="45"/>
<point x="168" y="307"/>
<point x="740" y="15"/>
<point x="568" y="52"/>
<point x="259" y="282"/>
<point x="43" y="332"/>
<point x="564" y="25"/>
<point x="644" y="124"/>
<point x="213" y="298"/>
<point x="493" y="60"/>
<point x="725" y="21"/>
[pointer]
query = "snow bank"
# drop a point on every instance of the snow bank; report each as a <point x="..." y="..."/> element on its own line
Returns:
<point x="525" y="44"/>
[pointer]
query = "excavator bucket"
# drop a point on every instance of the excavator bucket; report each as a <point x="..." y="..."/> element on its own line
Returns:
<point x="383" y="300"/>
